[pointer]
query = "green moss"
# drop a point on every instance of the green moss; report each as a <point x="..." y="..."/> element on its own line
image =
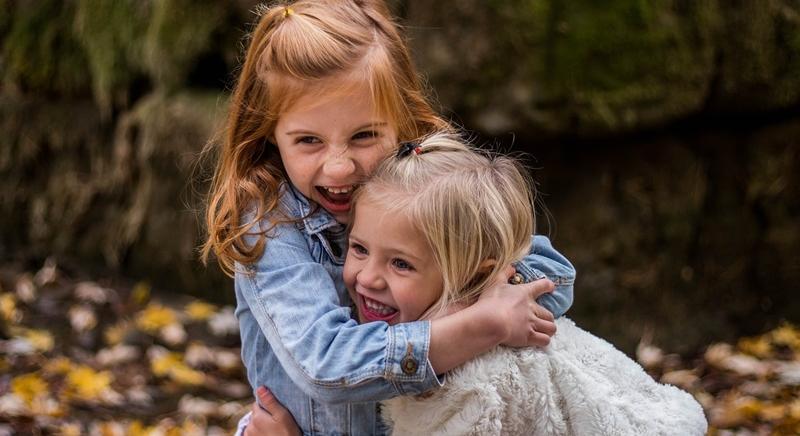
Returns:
<point x="112" y="36"/>
<point x="603" y="62"/>
<point x="179" y="31"/>
<point x="39" y="52"/>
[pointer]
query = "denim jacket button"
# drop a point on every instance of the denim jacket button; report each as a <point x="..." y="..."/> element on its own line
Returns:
<point x="516" y="279"/>
<point x="409" y="365"/>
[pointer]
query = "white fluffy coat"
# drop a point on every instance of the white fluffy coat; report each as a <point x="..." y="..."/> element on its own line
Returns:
<point x="578" y="385"/>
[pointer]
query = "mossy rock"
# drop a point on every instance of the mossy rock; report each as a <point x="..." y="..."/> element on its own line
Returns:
<point x="39" y="52"/>
<point x="589" y="68"/>
<point x="122" y="198"/>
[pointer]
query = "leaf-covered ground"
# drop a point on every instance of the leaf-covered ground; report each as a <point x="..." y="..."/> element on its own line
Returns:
<point x="82" y="357"/>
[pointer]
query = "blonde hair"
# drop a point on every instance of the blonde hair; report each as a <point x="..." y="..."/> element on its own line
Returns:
<point x="474" y="209"/>
<point x="297" y="48"/>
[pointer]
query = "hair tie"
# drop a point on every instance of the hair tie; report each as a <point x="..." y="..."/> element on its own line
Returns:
<point x="287" y="11"/>
<point x="407" y="147"/>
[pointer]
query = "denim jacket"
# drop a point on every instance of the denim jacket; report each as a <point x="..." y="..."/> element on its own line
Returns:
<point x="300" y="340"/>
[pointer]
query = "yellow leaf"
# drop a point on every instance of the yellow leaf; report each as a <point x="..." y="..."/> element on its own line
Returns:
<point x="41" y="340"/>
<point x="8" y="308"/>
<point x="58" y="366"/>
<point x="759" y="347"/>
<point x="787" y="335"/>
<point x="171" y="365"/>
<point x="140" y="293"/>
<point x="115" y="334"/>
<point x="155" y="317"/>
<point x="28" y="387"/>
<point x="200" y="310"/>
<point x="70" y="429"/>
<point x="160" y="365"/>
<point x="87" y="383"/>
<point x="794" y="409"/>
<point x="46" y="406"/>
<point x="136" y="428"/>
<point x="772" y="412"/>
<point x="188" y="376"/>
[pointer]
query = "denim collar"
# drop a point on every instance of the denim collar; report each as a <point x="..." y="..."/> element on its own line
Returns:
<point x="318" y="221"/>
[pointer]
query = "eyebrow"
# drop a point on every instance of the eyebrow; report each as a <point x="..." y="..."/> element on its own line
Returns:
<point x="362" y="127"/>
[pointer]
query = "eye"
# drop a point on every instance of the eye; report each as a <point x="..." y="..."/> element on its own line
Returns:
<point x="402" y="264"/>
<point x="307" y="140"/>
<point x="358" y="249"/>
<point x="366" y="134"/>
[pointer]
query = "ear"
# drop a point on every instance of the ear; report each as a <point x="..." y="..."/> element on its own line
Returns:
<point x="486" y="266"/>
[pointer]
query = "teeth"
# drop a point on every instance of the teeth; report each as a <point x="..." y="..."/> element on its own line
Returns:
<point x="378" y="308"/>
<point x="342" y="190"/>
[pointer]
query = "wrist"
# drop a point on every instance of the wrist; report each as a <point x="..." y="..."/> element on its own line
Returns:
<point x="490" y="322"/>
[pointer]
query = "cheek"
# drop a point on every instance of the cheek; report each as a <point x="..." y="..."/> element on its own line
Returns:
<point x="350" y="270"/>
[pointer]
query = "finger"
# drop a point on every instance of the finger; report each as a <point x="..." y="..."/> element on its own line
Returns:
<point x="270" y="403"/>
<point x="537" y="339"/>
<point x="541" y="286"/>
<point x="266" y="400"/>
<point x="545" y="327"/>
<point x="543" y="313"/>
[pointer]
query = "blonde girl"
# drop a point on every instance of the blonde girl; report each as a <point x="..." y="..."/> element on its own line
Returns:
<point x="431" y="230"/>
<point x="326" y="90"/>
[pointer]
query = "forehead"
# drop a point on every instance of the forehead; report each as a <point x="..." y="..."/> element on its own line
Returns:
<point x="335" y="98"/>
<point x="387" y="229"/>
<point x="352" y="89"/>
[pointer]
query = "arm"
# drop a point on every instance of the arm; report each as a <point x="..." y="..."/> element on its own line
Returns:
<point x="544" y="261"/>
<point x="333" y="359"/>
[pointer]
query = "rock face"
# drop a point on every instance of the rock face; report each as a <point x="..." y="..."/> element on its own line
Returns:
<point x="588" y="68"/>
<point x="666" y="131"/>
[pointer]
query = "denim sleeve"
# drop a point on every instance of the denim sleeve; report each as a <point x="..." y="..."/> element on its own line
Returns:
<point x="327" y="354"/>
<point x="544" y="261"/>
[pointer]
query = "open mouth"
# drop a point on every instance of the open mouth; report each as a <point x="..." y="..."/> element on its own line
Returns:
<point x="376" y="311"/>
<point x="336" y="199"/>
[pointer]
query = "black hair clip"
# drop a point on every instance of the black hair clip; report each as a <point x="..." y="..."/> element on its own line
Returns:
<point x="407" y="147"/>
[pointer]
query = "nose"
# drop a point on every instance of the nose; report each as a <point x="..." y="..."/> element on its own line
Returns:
<point x="370" y="277"/>
<point x="339" y="164"/>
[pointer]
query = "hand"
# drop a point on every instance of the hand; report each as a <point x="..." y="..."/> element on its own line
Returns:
<point x="524" y="322"/>
<point x="270" y="418"/>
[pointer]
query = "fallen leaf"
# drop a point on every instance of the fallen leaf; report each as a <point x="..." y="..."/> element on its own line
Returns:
<point x="224" y="322"/>
<point x="82" y="318"/>
<point x="195" y="406"/>
<point x="759" y="346"/>
<point x="154" y="317"/>
<point x="169" y="364"/>
<point x="723" y="357"/>
<point x="787" y="335"/>
<point x="12" y="405"/>
<point x="48" y="273"/>
<point x="117" y="354"/>
<point x="173" y="334"/>
<point x="200" y="310"/>
<point x="25" y="289"/>
<point x="8" y="308"/>
<point x="683" y="378"/>
<point x="116" y="333"/>
<point x="87" y="384"/>
<point x="58" y="366"/>
<point x="649" y="356"/>
<point x="70" y="429"/>
<point x="28" y="387"/>
<point x="140" y="293"/>
<point x="92" y="292"/>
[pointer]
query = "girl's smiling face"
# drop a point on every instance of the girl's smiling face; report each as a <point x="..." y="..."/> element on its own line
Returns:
<point x="329" y="142"/>
<point x="390" y="271"/>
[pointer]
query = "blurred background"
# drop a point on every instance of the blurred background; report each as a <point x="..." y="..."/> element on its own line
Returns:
<point x="664" y="136"/>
